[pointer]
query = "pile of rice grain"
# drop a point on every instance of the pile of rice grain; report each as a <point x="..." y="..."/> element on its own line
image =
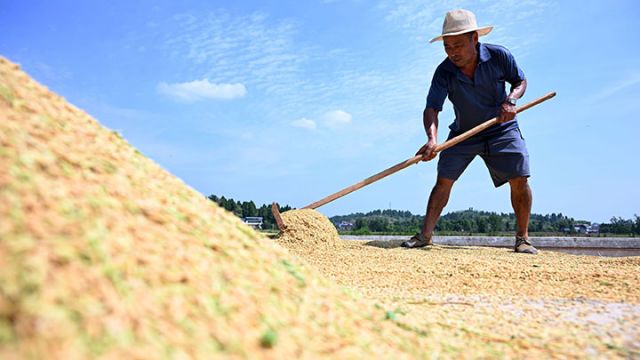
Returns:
<point x="308" y="229"/>
<point x="104" y="254"/>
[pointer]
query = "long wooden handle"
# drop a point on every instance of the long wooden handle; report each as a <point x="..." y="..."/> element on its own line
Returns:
<point x="416" y="159"/>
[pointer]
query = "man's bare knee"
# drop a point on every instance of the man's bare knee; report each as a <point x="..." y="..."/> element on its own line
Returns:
<point x="443" y="185"/>
<point x="518" y="182"/>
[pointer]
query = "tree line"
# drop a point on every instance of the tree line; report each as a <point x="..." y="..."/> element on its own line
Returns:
<point x="458" y="222"/>
<point x="248" y="208"/>
<point x="618" y="225"/>
<point x="476" y="222"/>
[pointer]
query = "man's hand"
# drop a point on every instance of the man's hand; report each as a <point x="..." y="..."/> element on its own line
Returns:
<point x="428" y="150"/>
<point x="507" y="112"/>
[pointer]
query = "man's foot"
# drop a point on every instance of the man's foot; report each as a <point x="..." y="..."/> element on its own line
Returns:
<point x="524" y="246"/>
<point x="418" y="240"/>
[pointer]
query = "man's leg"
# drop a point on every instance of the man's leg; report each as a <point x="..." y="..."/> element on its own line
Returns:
<point x="437" y="201"/>
<point x="521" y="200"/>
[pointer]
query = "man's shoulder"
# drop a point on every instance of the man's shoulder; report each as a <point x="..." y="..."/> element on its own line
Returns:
<point x="495" y="47"/>
<point x="497" y="50"/>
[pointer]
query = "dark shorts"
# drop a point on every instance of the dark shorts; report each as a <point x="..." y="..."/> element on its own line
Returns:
<point x="505" y="155"/>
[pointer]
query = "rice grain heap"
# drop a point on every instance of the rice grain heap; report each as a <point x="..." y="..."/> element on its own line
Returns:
<point x="308" y="230"/>
<point x="104" y="254"/>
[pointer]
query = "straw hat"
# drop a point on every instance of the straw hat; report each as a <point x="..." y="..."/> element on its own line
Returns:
<point x="461" y="21"/>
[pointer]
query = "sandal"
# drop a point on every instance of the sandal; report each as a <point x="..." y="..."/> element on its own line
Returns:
<point x="417" y="241"/>
<point x="524" y="246"/>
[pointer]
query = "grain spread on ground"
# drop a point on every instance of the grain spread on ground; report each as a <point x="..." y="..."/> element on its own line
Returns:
<point x="492" y="302"/>
<point x="105" y="254"/>
<point x="308" y="229"/>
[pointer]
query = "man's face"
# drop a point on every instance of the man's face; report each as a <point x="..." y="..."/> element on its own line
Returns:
<point x="461" y="49"/>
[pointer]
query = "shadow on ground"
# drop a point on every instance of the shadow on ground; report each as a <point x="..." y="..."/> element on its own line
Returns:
<point x="393" y="244"/>
<point x="384" y="244"/>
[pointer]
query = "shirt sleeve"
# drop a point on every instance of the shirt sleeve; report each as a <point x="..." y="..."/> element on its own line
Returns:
<point x="513" y="73"/>
<point x="437" y="91"/>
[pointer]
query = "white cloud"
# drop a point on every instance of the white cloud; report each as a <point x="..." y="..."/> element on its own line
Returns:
<point x="270" y="55"/>
<point x="336" y="119"/>
<point x="201" y="90"/>
<point x="255" y="49"/>
<point x="304" y="123"/>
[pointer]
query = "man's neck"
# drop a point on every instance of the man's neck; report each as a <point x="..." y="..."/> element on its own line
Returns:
<point x="470" y="68"/>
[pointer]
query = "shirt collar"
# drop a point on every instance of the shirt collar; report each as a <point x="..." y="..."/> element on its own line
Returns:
<point x="484" y="52"/>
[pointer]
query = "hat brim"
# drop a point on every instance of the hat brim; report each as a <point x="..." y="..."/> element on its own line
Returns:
<point x="482" y="31"/>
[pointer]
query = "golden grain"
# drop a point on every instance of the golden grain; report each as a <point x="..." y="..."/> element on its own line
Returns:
<point x="308" y="229"/>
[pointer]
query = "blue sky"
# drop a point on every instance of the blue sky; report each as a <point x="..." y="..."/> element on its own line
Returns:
<point x="294" y="100"/>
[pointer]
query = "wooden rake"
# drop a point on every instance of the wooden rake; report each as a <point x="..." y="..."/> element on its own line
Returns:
<point x="401" y="165"/>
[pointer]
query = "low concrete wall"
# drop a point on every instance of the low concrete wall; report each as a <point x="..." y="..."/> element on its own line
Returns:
<point x="504" y="241"/>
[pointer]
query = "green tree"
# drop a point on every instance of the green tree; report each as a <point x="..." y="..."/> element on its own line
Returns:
<point x="481" y="224"/>
<point x="249" y="209"/>
<point x="535" y="226"/>
<point x="495" y="224"/>
<point x="236" y="208"/>
<point x="379" y="224"/>
<point x="361" y="224"/>
<point x="621" y="226"/>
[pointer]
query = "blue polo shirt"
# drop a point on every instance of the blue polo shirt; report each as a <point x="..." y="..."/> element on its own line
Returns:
<point x="478" y="100"/>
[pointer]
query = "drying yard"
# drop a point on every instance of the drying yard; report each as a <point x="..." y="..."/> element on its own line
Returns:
<point x="492" y="302"/>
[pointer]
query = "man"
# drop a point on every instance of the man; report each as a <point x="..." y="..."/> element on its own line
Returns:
<point x="473" y="76"/>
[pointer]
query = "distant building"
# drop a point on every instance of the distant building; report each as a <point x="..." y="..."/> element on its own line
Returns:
<point x="594" y="229"/>
<point x="581" y="228"/>
<point x="253" y="221"/>
<point x="345" y="225"/>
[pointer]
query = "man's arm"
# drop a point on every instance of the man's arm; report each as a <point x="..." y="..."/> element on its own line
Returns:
<point x="518" y="89"/>
<point x="430" y="122"/>
<point x="435" y="99"/>
<point x="507" y="110"/>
